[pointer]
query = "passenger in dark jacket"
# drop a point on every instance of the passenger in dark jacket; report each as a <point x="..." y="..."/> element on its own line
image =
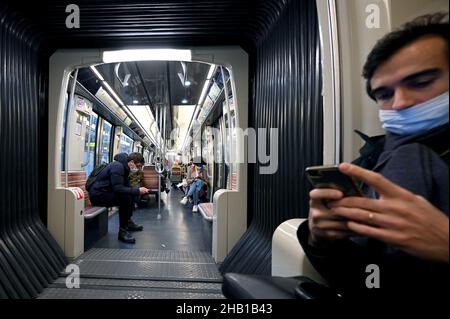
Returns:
<point x="415" y="163"/>
<point x="407" y="75"/>
<point x="112" y="188"/>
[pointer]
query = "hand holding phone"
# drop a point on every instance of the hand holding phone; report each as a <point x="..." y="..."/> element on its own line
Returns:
<point x="332" y="177"/>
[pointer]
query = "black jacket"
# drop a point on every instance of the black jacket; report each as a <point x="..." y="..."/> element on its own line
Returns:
<point x="417" y="163"/>
<point x="114" y="179"/>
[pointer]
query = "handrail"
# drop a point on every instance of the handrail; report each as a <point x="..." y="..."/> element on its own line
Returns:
<point x="230" y="124"/>
<point x="70" y="108"/>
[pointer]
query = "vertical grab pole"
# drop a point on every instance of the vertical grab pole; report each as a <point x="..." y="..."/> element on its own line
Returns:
<point x="159" y="197"/>
<point x="159" y="169"/>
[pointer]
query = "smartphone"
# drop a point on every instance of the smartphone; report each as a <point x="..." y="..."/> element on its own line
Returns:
<point x="331" y="177"/>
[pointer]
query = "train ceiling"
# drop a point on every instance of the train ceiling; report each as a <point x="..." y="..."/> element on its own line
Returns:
<point x="115" y="23"/>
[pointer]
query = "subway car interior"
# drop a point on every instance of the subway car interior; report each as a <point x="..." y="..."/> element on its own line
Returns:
<point x="227" y="102"/>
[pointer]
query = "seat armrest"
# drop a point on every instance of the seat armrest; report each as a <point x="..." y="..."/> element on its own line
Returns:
<point x="288" y="256"/>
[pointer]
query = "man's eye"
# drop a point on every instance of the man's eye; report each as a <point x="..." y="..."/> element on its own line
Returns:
<point x="420" y="84"/>
<point x="383" y="96"/>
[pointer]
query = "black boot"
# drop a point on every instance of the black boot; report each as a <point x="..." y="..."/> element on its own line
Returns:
<point x="134" y="227"/>
<point x="126" y="237"/>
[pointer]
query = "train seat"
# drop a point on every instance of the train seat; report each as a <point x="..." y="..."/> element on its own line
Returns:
<point x="150" y="178"/>
<point x="233" y="181"/>
<point x="293" y="276"/>
<point x="176" y="176"/>
<point x="207" y="210"/>
<point x="95" y="218"/>
<point x="78" y="179"/>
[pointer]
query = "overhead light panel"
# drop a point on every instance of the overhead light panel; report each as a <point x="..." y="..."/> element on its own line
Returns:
<point x="147" y="55"/>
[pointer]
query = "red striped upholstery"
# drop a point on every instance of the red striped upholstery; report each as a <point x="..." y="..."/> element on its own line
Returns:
<point x="150" y="178"/>
<point x="78" y="179"/>
<point x="176" y="174"/>
<point x="233" y="181"/>
<point x="207" y="210"/>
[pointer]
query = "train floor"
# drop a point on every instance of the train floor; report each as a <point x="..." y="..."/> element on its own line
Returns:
<point x="170" y="260"/>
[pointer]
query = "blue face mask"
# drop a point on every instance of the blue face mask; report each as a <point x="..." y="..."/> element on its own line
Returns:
<point x="418" y="118"/>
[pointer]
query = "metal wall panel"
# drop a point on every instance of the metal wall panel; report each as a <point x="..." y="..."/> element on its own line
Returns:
<point x="29" y="257"/>
<point x="112" y="23"/>
<point x="287" y="96"/>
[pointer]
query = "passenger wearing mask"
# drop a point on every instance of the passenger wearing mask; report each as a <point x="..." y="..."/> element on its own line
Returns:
<point x="112" y="188"/>
<point x="196" y="189"/>
<point x="407" y="75"/>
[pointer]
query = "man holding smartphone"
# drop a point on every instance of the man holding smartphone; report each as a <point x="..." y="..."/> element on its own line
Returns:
<point x="112" y="188"/>
<point x="407" y="74"/>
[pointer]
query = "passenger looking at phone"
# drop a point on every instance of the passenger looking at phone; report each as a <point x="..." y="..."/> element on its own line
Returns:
<point x="112" y="188"/>
<point x="402" y="229"/>
<point x="195" y="190"/>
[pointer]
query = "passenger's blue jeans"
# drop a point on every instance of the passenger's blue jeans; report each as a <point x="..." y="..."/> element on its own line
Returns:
<point x="194" y="191"/>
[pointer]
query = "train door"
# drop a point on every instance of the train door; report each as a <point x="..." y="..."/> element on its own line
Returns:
<point x="220" y="181"/>
<point x="208" y="154"/>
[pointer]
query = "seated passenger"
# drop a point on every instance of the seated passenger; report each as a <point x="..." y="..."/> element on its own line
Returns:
<point x="195" y="191"/>
<point x="191" y="173"/>
<point x="112" y="188"/>
<point x="403" y="234"/>
<point x="136" y="178"/>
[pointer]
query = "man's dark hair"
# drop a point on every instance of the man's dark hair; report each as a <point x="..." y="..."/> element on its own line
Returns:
<point x="386" y="47"/>
<point x="136" y="158"/>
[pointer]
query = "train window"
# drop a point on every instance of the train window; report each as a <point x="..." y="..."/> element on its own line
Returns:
<point x="126" y="144"/>
<point x="105" y="142"/>
<point x="90" y="143"/>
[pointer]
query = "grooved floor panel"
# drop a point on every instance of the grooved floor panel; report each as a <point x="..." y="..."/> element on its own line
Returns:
<point x="144" y="284"/>
<point x="149" y="270"/>
<point x="146" y="255"/>
<point x="64" y="293"/>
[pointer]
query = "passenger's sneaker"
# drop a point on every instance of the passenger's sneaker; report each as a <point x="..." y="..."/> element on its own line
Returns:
<point x="195" y="209"/>
<point x="132" y="226"/>
<point x="184" y="201"/>
<point x="126" y="237"/>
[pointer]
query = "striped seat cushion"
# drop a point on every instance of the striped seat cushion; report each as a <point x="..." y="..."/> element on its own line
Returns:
<point x="207" y="210"/>
<point x="150" y="178"/>
<point x="78" y="179"/>
<point x="233" y="181"/>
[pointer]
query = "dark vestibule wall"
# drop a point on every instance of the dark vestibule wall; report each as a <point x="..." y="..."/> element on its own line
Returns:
<point x="282" y="39"/>
<point x="30" y="259"/>
<point x="286" y="87"/>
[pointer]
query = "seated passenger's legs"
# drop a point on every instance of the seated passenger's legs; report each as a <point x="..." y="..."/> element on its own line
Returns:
<point x="125" y="203"/>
